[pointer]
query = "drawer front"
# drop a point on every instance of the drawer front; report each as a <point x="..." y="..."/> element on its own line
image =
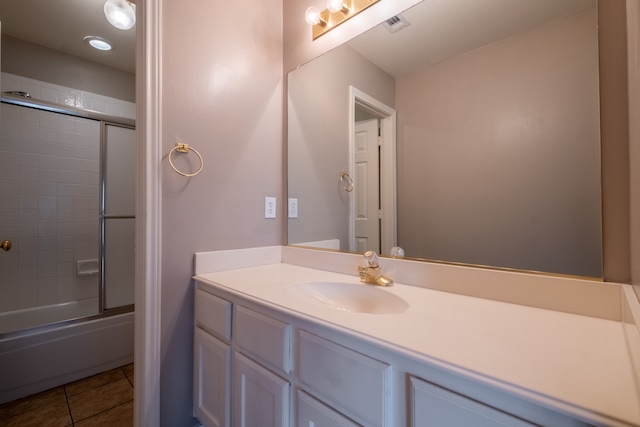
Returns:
<point x="432" y="405"/>
<point x="349" y="381"/>
<point x="312" y="412"/>
<point x="267" y="340"/>
<point x="213" y="314"/>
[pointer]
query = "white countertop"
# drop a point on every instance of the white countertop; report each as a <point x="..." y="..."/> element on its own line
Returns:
<point x="580" y="362"/>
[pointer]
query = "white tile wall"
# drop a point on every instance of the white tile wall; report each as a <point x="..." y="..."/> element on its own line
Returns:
<point x="68" y="96"/>
<point x="49" y="195"/>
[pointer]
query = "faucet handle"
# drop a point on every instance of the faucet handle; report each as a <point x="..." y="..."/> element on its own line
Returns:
<point x="371" y="259"/>
<point x="396" y="252"/>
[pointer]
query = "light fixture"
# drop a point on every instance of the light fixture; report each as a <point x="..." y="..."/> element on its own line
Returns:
<point x="98" y="43"/>
<point x="337" y="12"/>
<point x="337" y="6"/>
<point x="120" y="13"/>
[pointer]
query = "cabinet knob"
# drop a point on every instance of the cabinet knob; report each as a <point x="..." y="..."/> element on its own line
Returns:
<point x="6" y="245"/>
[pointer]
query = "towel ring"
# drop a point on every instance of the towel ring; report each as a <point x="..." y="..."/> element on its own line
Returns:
<point x="346" y="182"/>
<point x="184" y="148"/>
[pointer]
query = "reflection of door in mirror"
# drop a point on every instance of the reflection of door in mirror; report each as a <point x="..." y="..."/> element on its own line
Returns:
<point x="372" y="149"/>
<point x="319" y="143"/>
<point x="367" y="186"/>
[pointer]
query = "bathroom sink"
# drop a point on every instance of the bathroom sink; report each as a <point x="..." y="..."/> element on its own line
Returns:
<point x="353" y="297"/>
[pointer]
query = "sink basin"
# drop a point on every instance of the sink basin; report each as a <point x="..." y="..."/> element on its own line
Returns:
<point x="353" y="297"/>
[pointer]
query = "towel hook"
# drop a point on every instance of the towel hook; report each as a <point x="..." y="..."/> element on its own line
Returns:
<point x="184" y="148"/>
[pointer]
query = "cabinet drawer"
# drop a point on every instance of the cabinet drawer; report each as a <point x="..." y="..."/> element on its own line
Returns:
<point x="432" y="405"/>
<point x="213" y="314"/>
<point x="266" y="339"/>
<point x="312" y="412"/>
<point x="350" y="381"/>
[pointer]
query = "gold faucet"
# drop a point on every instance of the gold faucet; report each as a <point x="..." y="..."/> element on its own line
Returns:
<point x="370" y="272"/>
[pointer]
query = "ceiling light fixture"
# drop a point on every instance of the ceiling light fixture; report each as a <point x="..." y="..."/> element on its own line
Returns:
<point x="337" y="12"/>
<point x="120" y="13"/>
<point x="97" y="43"/>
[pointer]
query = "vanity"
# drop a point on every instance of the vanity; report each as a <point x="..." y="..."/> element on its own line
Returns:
<point x="287" y="336"/>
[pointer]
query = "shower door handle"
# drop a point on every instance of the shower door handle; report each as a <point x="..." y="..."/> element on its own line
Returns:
<point x="6" y="245"/>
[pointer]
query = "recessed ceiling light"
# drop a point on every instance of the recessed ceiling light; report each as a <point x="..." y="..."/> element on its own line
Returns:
<point x="98" y="43"/>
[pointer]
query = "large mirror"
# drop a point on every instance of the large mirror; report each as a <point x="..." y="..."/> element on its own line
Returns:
<point x="462" y="131"/>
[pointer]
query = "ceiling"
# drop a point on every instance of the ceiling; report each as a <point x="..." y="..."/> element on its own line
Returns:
<point x="435" y="31"/>
<point x="62" y="25"/>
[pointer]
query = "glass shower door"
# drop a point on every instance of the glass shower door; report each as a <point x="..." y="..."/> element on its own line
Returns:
<point x="49" y="186"/>
<point x="118" y="216"/>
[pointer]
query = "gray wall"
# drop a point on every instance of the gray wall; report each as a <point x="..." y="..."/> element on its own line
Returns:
<point x="222" y="93"/>
<point x="499" y="154"/>
<point x="318" y="139"/>
<point x="40" y="63"/>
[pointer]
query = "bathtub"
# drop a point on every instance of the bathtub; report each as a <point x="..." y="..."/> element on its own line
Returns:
<point x="46" y="358"/>
<point x="45" y="315"/>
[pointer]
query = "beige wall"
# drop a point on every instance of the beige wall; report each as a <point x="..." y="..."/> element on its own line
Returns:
<point x="40" y="63"/>
<point x="318" y="139"/>
<point x="498" y="154"/>
<point x="221" y="92"/>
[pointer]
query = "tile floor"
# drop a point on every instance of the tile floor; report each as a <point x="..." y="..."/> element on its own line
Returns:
<point x="105" y="399"/>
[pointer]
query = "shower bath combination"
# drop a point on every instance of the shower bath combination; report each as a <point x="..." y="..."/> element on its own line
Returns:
<point x="66" y="271"/>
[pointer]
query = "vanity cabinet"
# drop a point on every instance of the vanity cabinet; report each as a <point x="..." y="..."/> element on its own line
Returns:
<point x="248" y="354"/>
<point x="263" y="365"/>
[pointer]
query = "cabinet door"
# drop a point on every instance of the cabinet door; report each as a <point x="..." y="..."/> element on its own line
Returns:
<point x="211" y="380"/>
<point x="434" y="406"/>
<point x="313" y="413"/>
<point x="261" y="398"/>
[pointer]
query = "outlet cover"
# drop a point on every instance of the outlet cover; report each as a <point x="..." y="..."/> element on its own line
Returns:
<point x="269" y="207"/>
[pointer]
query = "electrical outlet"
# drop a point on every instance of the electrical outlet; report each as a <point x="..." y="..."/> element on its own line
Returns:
<point x="269" y="207"/>
<point x="293" y="208"/>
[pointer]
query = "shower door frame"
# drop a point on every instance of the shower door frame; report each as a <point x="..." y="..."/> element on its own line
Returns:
<point x="102" y="294"/>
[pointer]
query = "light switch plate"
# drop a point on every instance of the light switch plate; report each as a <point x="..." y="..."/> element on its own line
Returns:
<point x="293" y="208"/>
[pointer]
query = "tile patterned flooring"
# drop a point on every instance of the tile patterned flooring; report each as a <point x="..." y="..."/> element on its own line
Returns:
<point x="105" y="399"/>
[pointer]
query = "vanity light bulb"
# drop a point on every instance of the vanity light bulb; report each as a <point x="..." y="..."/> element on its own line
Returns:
<point x="312" y="16"/>
<point x="336" y="6"/>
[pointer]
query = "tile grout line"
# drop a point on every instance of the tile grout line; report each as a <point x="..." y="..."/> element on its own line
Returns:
<point x="66" y="399"/>
<point x="103" y="411"/>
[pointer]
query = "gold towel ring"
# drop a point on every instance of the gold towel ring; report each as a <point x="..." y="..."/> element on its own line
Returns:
<point x="184" y="148"/>
<point x="346" y="182"/>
